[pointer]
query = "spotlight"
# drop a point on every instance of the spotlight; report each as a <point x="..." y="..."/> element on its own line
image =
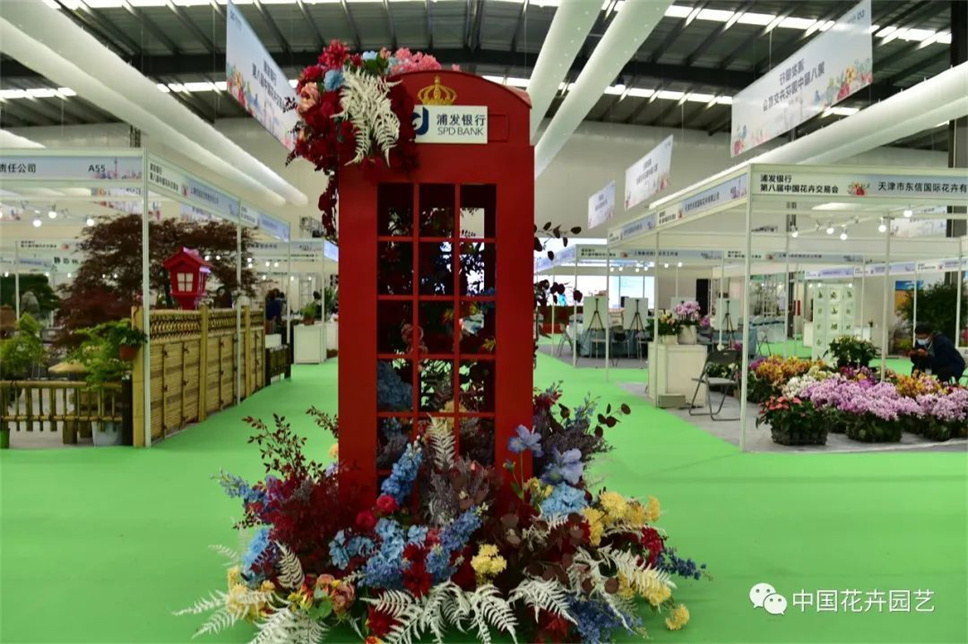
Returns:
<point x="46" y="274"/>
<point x="882" y="228"/>
<point x="115" y="276"/>
<point x="666" y="265"/>
<point x="90" y="221"/>
<point x="611" y="269"/>
<point x="908" y="212"/>
<point x="292" y="277"/>
<point x="69" y="275"/>
<point x="208" y="258"/>
<point x="276" y="265"/>
<point x="843" y="235"/>
<point x="52" y="214"/>
<point x="268" y="264"/>
<point x="218" y="257"/>
<point x="638" y="270"/>
<point x="38" y="223"/>
<point x="830" y="230"/>
<point x="679" y="265"/>
<point x="6" y="273"/>
<point x="621" y="268"/>
<point x="263" y="278"/>
<point x="795" y="233"/>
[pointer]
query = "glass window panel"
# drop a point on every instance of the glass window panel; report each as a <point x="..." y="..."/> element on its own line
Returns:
<point x="394" y="268"/>
<point x="436" y="210"/>
<point x="394" y="385"/>
<point x="394" y="209"/>
<point x="436" y="385"/>
<point x="436" y="320"/>
<point x="478" y="327"/>
<point x="477" y="385"/>
<point x="391" y="334"/>
<point x="477" y="268"/>
<point x="477" y="205"/>
<point x="392" y="439"/>
<point x="436" y="268"/>
<point x="477" y="439"/>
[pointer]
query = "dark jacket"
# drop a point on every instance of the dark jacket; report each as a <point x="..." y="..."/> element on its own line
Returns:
<point x="943" y="358"/>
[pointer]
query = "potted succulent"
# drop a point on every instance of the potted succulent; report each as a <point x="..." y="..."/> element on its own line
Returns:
<point x="18" y="357"/>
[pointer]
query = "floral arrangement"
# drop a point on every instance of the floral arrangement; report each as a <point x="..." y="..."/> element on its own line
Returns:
<point x="669" y="324"/>
<point x="769" y="375"/>
<point x="707" y="321"/>
<point x="794" y="420"/>
<point x="688" y="313"/>
<point x="551" y="559"/>
<point x="849" y="351"/>
<point x="351" y="112"/>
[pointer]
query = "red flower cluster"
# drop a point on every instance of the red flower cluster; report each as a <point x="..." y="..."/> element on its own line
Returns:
<point x="416" y="579"/>
<point x="653" y="541"/>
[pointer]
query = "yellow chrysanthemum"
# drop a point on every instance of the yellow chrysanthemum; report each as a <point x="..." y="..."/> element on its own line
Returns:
<point x="657" y="594"/>
<point x="654" y="510"/>
<point x="250" y="611"/>
<point x="234" y="576"/>
<point x="596" y="526"/>
<point x="625" y="590"/>
<point x="334" y="451"/>
<point x="678" y="618"/>
<point x="487" y="563"/>
<point x="614" y="504"/>
<point x="538" y="491"/>
<point x="637" y="514"/>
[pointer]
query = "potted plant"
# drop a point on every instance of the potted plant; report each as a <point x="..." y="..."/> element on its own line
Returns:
<point x="688" y="315"/>
<point x="849" y="351"/>
<point x="100" y="355"/>
<point x="793" y="421"/>
<point x="668" y="329"/>
<point x="309" y="313"/>
<point x="127" y="338"/>
<point x="18" y="357"/>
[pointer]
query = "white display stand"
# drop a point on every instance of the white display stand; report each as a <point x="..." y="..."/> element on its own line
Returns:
<point x="332" y="336"/>
<point x="808" y="334"/>
<point x="308" y="344"/>
<point x="833" y="316"/>
<point x="273" y="340"/>
<point x="675" y="366"/>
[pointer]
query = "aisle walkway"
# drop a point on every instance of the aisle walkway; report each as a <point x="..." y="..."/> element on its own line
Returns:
<point x="99" y="545"/>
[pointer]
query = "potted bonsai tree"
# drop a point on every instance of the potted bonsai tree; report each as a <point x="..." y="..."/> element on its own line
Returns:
<point x="18" y="357"/>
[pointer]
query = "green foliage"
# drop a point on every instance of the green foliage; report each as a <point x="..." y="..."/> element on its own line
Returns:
<point x="936" y="306"/>
<point x="849" y="351"/>
<point x="309" y="311"/>
<point x="39" y="285"/>
<point x="331" y="298"/>
<point x="23" y="351"/>
<point x="99" y="351"/>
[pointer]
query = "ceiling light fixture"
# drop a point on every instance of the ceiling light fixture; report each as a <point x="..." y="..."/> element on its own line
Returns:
<point x="679" y="265"/>
<point x="843" y="235"/>
<point x="830" y="230"/>
<point x="90" y="221"/>
<point x="52" y="214"/>
<point x="38" y="223"/>
<point x="882" y="227"/>
<point x="795" y="233"/>
<point x="665" y="265"/>
<point x="908" y="212"/>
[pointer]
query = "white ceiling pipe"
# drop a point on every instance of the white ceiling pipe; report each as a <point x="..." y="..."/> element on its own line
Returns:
<point x="569" y="29"/>
<point x="625" y="35"/>
<point x="941" y="98"/>
<point x="50" y="28"/>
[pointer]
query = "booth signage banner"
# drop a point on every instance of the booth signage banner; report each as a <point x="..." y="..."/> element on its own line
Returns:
<point x="450" y="124"/>
<point x="331" y="251"/>
<point x="47" y="245"/>
<point x="908" y="228"/>
<point x="715" y="197"/>
<point x="249" y="217"/>
<point x="848" y="184"/>
<point x="601" y="206"/>
<point x="70" y="168"/>
<point x="640" y="225"/>
<point x="164" y="176"/>
<point x="276" y="228"/>
<point x="649" y="175"/>
<point x="254" y="79"/>
<point x="831" y="67"/>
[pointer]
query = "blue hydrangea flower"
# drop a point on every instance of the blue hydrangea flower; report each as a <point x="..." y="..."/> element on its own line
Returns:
<point x="453" y="539"/>
<point x="417" y="534"/>
<point x="333" y="80"/>
<point x="392" y="393"/>
<point x="526" y="440"/>
<point x="596" y="621"/>
<point x="404" y="472"/>
<point x="563" y="500"/>
<point x="258" y="547"/>
<point x="342" y="550"/>
<point x="564" y="467"/>
<point x="369" y="55"/>
<point x="384" y="568"/>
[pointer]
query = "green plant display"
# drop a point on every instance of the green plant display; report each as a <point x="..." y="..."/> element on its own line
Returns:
<point x="37" y="284"/>
<point x="331" y="298"/>
<point x="22" y="352"/>
<point x="936" y="306"/>
<point x="849" y="351"/>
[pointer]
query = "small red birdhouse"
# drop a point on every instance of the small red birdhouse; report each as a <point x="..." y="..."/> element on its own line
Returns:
<point x="188" y="273"/>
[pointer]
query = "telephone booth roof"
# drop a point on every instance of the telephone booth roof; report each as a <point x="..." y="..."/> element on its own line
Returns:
<point x="189" y="257"/>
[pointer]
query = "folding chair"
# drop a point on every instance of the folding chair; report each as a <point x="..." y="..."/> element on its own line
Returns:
<point x="565" y="340"/>
<point x="716" y="358"/>
<point x="762" y="339"/>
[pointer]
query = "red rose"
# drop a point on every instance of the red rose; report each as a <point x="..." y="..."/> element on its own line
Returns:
<point x="386" y="504"/>
<point x="379" y="623"/>
<point x="365" y="521"/>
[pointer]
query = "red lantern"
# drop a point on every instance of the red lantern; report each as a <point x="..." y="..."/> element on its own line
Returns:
<point x="188" y="272"/>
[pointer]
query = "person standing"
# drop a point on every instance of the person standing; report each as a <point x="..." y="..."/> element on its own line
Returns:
<point x="935" y="353"/>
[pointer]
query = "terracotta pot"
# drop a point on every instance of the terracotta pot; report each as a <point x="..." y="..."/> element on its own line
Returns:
<point x="127" y="352"/>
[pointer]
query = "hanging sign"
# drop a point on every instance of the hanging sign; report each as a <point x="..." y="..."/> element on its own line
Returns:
<point x="649" y="175"/>
<point x="601" y="206"/>
<point x="168" y="178"/>
<point x="250" y="217"/>
<point x="255" y="80"/>
<point x="275" y="227"/>
<point x="450" y="124"/>
<point x="827" y="70"/>
<point x="850" y="184"/>
<point x="70" y="168"/>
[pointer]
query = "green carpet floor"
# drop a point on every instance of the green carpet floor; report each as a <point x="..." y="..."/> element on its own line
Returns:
<point x="98" y="545"/>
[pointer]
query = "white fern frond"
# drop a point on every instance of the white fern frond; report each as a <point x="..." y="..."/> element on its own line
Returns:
<point x="218" y="622"/>
<point x="442" y="443"/>
<point x="290" y="570"/>
<point x="233" y="556"/>
<point x="217" y="599"/>
<point x="642" y="577"/>
<point x="366" y="104"/>
<point x="541" y="595"/>
<point x="586" y="568"/>
<point x="485" y="607"/>
<point x="277" y="628"/>
<point x="394" y="603"/>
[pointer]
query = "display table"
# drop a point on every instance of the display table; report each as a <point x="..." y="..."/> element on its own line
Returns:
<point x="675" y="366"/>
<point x="307" y="344"/>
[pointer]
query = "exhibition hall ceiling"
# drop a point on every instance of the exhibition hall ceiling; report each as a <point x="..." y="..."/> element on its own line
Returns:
<point x="683" y="76"/>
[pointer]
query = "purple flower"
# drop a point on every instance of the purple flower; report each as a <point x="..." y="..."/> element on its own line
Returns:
<point x="525" y="440"/>
<point x="565" y="467"/>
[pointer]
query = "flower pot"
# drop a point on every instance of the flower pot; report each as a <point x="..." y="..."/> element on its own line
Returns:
<point x="688" y="335"/>
<point x="309" y="321"/>
<point x="127" y="352"/>
<point x="105" y="433"/>
<point x="797" y="435"/>
<point x="5" y="438"/>
<point x="868" y="429"/>
<point x="668" y="339"/>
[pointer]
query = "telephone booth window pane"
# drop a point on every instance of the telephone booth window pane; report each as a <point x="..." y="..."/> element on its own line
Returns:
<point x="477" y="276"/>
<point x="437" y="268"/>
<point x="436" y="319"/>
<point x="394" y="268"/>
<point x="436" y="210"/>
<point x="477" y="211"/>
<point x="394" y="209"/>
<point x="394" y="385"/>
<point x="477" y="386"/>
<point x="436" y="385"/>
<point x="392" y="438"/>
<point x="391" y="334"/>
<point x="478" y="328"/>
<point x="476" y="439"/>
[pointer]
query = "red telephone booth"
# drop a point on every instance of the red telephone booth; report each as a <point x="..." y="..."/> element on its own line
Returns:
<point x="436" y="269"/>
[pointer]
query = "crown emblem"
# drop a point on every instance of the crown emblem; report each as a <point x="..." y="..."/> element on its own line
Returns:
<point x="437" y="94"/>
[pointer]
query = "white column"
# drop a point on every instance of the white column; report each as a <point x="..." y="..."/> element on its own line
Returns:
<point x="719" y="295"/>
<point x="914" y="323"/>
<point x="285" y="314"/>
<point x="788" y="297"/>
<point x="16" y="277"/>
<point x="146" y="298"/>
<point x="238" y="310"/>
<point x="554" y="301"/>
<point x="960" y="283"/>
<point x="574" y="325"/>
<point x="887" y="279"/>
<point x="608" y="302"/>
<point x="324" y="350"/>
<point x="863" y="286"/>
<point x="655" y="306"/>
<point x="745" y="358"/>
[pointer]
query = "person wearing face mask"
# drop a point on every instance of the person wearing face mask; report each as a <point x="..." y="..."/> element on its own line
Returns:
<point x="934" y="352"/>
